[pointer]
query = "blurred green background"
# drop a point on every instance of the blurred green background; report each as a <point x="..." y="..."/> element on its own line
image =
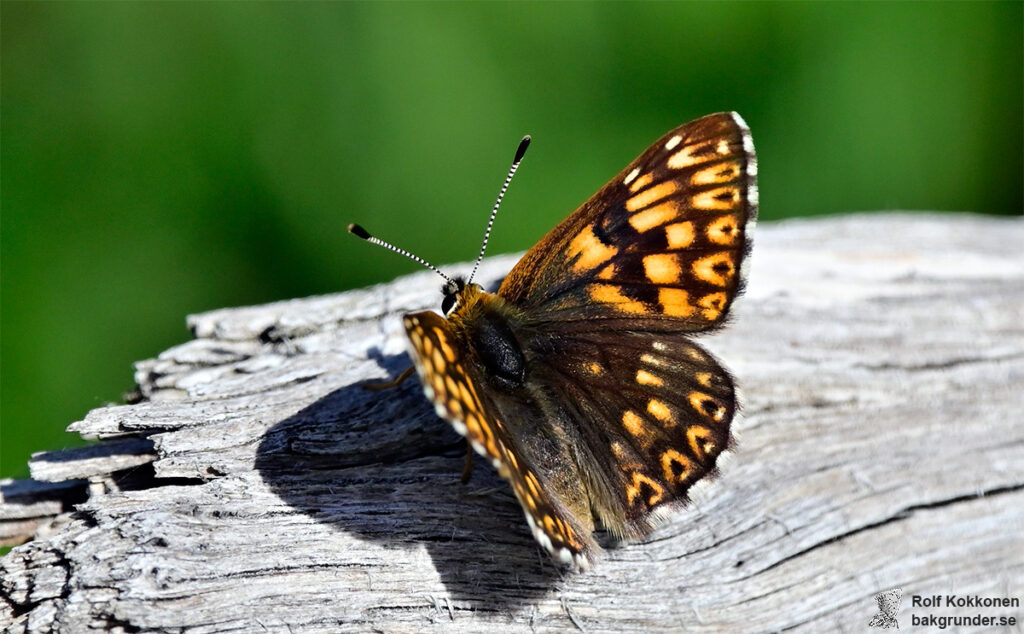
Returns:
<point x="160" y="159"/>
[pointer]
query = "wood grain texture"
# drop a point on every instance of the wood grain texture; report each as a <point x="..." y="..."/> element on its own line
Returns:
<point x="258" y="487"/>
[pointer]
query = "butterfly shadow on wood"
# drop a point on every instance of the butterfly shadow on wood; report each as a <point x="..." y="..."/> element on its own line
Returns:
<point x="381" y="466"/>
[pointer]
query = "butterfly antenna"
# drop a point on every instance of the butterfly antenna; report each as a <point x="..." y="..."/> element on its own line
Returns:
<point x="359" y="232"/>
<point x="520" y="152"/>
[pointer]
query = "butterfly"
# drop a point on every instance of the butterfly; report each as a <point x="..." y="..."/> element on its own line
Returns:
<point x="578" y="379"/>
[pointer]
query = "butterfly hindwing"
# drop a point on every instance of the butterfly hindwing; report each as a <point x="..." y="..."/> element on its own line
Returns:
<point x="661" y="246"/>
<point x="652" y="412"/>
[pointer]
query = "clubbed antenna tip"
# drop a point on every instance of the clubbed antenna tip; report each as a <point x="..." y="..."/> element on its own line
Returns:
<point x="521" y="150"/>
<point x="358" y="231"/>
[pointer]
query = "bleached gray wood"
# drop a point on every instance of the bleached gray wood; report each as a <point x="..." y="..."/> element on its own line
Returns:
<point x="28" y="507"/>
<point x="92" y="460"/>
<point x="881" y="359"/>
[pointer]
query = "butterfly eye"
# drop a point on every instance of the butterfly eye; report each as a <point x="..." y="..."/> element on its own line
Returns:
<point x="451" y="291"/>
<point x="448" y="303"/>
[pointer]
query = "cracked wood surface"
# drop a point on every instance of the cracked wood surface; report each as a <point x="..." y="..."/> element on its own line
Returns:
<point x="257" y="487"/>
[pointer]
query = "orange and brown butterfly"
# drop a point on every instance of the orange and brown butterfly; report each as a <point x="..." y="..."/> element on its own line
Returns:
<point x="578" y="378"/>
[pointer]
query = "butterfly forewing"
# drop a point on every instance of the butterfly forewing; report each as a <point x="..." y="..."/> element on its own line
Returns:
<point x="661" y="246"/>
<point x="453" y="381"/>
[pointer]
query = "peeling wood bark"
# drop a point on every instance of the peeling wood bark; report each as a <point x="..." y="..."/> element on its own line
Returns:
<point x="259" y="488"/>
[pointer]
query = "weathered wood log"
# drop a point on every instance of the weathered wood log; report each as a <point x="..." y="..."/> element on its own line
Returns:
<point x="258" y="487"/>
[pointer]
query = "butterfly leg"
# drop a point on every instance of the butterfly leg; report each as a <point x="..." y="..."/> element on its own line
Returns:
<point x="373" y="385"/>
<point x="467" y="470"/>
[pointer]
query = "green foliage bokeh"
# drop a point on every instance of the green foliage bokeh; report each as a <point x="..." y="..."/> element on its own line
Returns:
<point x="160" y="159"/>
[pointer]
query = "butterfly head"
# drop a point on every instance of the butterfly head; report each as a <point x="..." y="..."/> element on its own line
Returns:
<point x="451" y="291"/>
<point x="458" y="295"/>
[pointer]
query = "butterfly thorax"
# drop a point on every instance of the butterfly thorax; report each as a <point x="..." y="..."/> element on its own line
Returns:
<point x="486" y="322"/>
